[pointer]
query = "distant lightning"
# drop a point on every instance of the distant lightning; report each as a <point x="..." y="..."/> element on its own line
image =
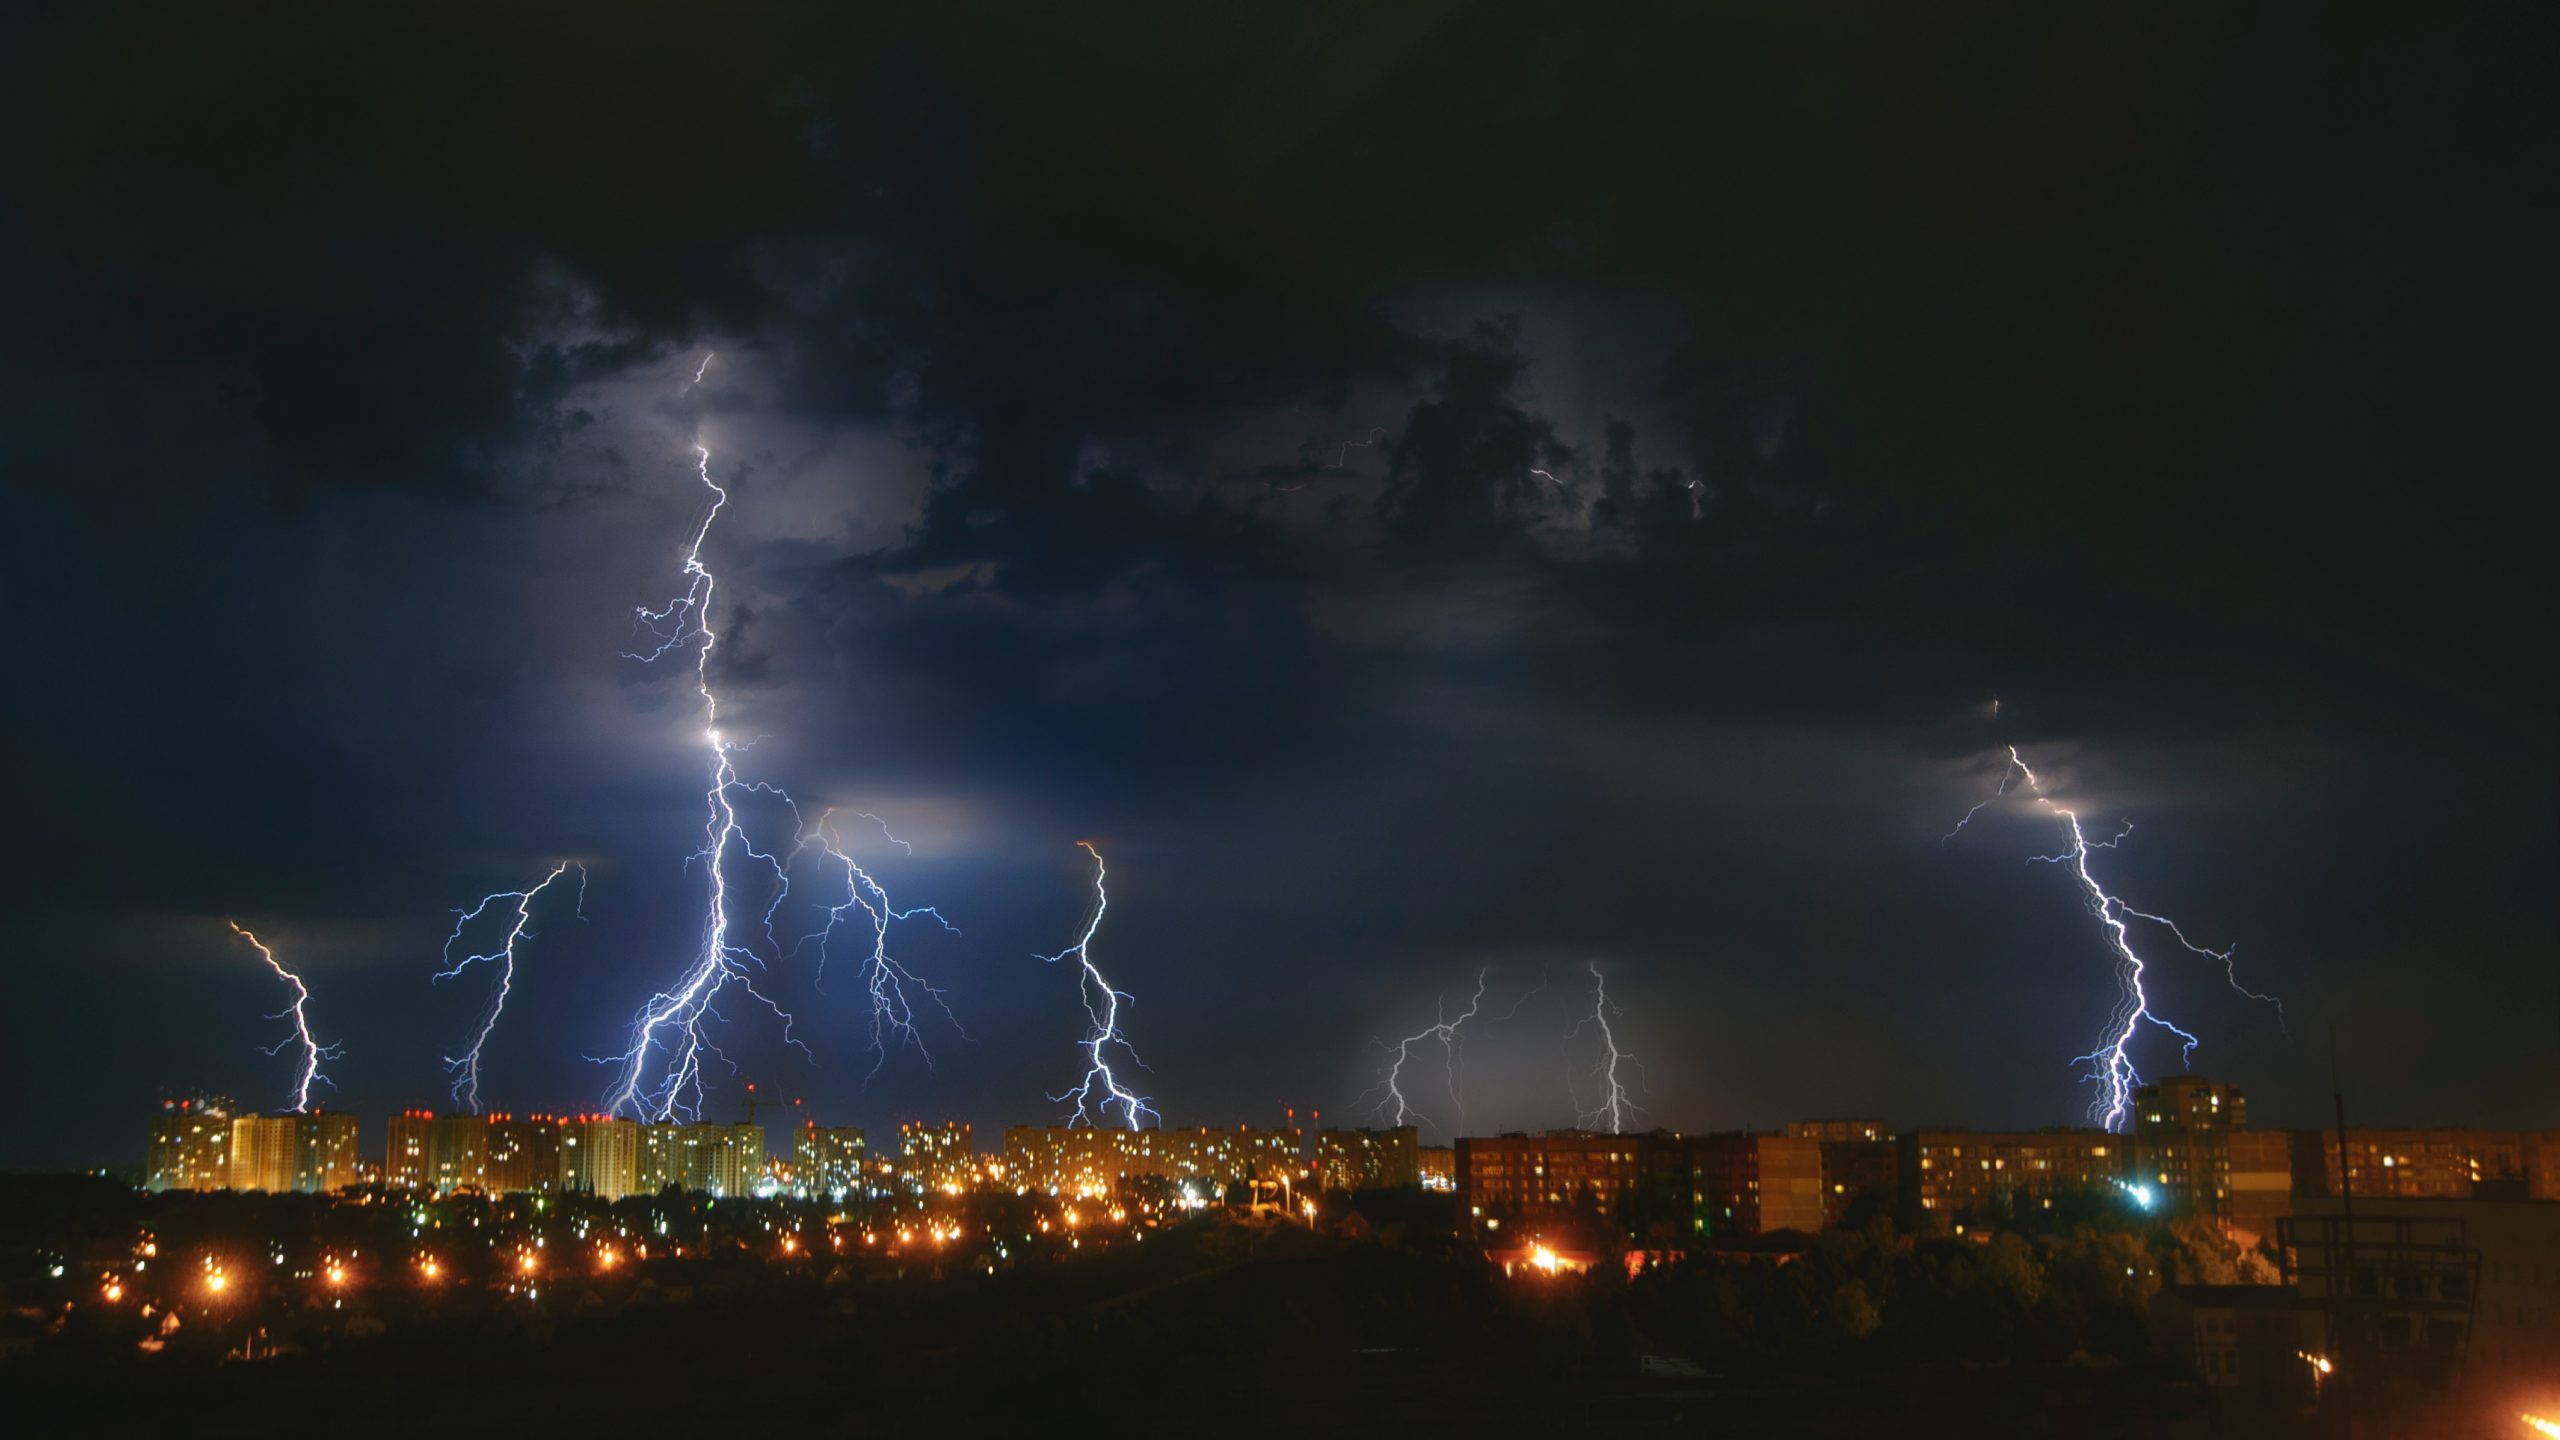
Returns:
<point x="2111" y="1065"/>
<point x="1615" y="1105"/>
<point x="466" y="1067"/>
<point x="1376" y="434"/>
<point x="702" y="369"/>
<point x="661" y="1071"/>
<point x="893" y="1011"/>
<point x="1445" y="1033"/>
<point x="313" y="1052"/>
<point x="1102" y="1007"/>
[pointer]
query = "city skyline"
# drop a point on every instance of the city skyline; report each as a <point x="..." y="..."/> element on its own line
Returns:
<point x="1496" y="497"/>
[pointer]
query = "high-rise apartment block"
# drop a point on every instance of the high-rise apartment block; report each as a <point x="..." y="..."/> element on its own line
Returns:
<point x="719" y="1160"/>
<point x="305" y="1154"/>
<point x="1369" y="1159"/>
<point x="828" y="1160"/>
<point x="600" y="1156"/>
<point x="1092" y="1160"/>
<point x="190" y="1145"/>
<point x="936" y="1157"/>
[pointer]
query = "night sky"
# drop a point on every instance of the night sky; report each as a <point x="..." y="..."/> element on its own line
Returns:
<point x="1130" y="424"/>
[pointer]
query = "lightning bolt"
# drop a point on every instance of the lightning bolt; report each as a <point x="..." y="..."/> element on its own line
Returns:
<point x="1376" y="434"/>
<point x="1615" y="1106"/>
<point x="893" y="1013"/>
<point x="313" y="1052"/>
<point x="661" y="1070"/>
<point x="466" y="1068"/>
<point x="1102" y="1007"/>
<point x="2111" y="1066"/>
<point x="1445" y="1031"/>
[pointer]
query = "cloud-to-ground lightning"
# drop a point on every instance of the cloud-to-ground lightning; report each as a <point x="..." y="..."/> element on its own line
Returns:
<point x="465" y="1067"/>
<point x="1102" y="1007"/>
<point x="1615" y="1105"/>
<point x="313" y="1052"/>
<point x="2111" y="1065"/>
<point x="660" y="1073"/>
<point x="893" y="1008"/>
<point x="1390" y="1087"/>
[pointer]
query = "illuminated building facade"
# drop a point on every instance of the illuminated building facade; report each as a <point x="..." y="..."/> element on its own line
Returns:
<point x="294" y="1154"/>
<point x="2434" y="1164"/>
<point x="325" y="1155"/>
<point x="1969" y="1174"/>
<point x="190" y="1145"/>
<point x="936" y="1157"/>
<point x="263" y="1153"/>
<point x="828" y="1161"/>
<point x="1750" y="1184"/>
<point x="1439" y="1167"/>
<point x="406" y="1162"/>
<point x="1369" y="1159"/>
<point x="523" y="1155"/>
<point x="2182" y="1129"/>
<point x="718" y="1160"/>
<point x="1090" y="1160"/>
<point x="1521" y="1179"/>
<point x="600" y="1156"/>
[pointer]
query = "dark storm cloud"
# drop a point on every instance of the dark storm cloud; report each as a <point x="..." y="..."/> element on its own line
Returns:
<point x="2145" y="373"/>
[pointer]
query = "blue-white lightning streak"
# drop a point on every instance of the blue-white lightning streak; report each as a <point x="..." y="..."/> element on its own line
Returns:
<point x="1614" y="1106"/>
<point x="661" y="1070"/>
<point x="1102" y="1007"/>
<point x="465" y="1067"/>
<point x="313" y="1052"/>
<point x="1445" y="1032"/>
<point x="2111" y="1065"/>
<point x="893" y="1012"/>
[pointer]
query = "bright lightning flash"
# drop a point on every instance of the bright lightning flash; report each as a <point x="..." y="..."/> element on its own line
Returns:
<point x="893" y="1012"/>
<point x="2111" y="1065"/>
<point x="313" y="1052"/>
<point x="1390" y="1089"/>
<point x="1615" y="1106"/>
<point x="1102" y="1007"/>
<point x="661" y="1070"/>
<point x="466" y="1067"/>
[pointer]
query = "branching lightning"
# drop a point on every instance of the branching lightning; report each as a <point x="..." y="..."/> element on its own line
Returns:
<point x="661" y="1069"/>
<point x="465" y="1068"/>
<point x="313" y="1052"/>
<point x="2111" y="1066"/>
<point x="892" y="1010"/>
<point x="1102" y="1007"/>
<point x="1390" y="1088"/>
<point x="1615" y="1105"/>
